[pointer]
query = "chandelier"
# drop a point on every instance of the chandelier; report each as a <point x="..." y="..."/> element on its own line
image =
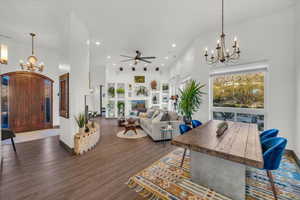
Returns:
<point x="31" y="64"/>
<point x="223" y="54"/>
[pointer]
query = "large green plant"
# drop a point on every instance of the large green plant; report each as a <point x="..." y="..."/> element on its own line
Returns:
<point x="190" y="99"/>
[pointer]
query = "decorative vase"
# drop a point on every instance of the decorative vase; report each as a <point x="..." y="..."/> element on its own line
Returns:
<point x="153" y="85"/>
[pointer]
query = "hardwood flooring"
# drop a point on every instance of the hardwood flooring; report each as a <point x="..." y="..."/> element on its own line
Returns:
<point x="42" y="169"/>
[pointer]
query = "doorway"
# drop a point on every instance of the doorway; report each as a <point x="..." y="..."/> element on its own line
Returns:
<point x="26" y="101"/>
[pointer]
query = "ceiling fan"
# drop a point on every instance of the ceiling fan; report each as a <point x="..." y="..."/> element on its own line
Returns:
<point x="138" y="57"/>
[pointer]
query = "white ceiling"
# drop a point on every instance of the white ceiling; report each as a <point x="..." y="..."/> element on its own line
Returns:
<point x="125" y="26"/>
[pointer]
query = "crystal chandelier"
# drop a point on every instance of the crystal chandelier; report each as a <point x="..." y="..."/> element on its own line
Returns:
<point x="223" y="55"/>
<point x="31" y="64"/>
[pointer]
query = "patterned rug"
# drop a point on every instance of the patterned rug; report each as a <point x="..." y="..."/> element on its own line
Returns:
<point x="166" y="180"/>
<point x="131" y="134"/>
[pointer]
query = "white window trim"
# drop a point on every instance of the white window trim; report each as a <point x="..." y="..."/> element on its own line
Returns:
<point x="238" y="69"/>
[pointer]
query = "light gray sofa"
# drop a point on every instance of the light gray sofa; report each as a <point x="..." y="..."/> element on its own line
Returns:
<point x="153" y="126"/>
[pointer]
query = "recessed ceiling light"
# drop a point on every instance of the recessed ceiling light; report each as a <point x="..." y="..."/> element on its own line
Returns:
<point x="97" y="43"/>
<point x="88" y="42"/>
<point x="121" y="68"/>
<point x="173" y="45"/>
<point x="133" y="69"/>
<point x="166" y="57"/>
<point x="157" y="69"/>
<point x="145" y="68"/>
<point x="114" y="64"/>
<point x="108" y="57"/>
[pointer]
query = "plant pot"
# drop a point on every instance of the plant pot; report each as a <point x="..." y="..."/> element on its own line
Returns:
<point x="187" y="120"/>
<point x="81" y="130"/>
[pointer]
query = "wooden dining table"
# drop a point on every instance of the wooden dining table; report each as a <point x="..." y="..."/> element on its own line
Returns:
<point x="220" y="163"/>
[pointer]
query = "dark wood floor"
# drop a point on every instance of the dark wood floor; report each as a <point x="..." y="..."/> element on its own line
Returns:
<point x="42" y="169"/>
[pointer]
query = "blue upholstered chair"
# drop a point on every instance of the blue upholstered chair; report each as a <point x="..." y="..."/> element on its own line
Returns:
<point x="196" y="123"/>
<point x="268" y="134"/>
<point x="273" y="149"/>
<point x="183" y="128"/>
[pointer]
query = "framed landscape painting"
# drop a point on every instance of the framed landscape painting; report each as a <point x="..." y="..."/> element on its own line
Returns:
<point x="139" y="79"/>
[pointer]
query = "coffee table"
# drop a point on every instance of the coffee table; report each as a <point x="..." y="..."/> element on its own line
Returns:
<point x="130" y="125"/>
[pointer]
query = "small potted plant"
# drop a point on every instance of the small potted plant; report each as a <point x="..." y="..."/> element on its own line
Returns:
<point x="121" y="92"/>
<point x="80" y="120"/>
<point x="111" y="91"/>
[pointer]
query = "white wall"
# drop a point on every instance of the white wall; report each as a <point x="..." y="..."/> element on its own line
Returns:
<point x="268" y="38"/>
<point x="297" y="43"/>
<point x="75" y="53"/>
<point x="18" y="51"/>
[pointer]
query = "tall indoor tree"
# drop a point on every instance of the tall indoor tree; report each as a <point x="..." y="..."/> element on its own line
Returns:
<point x="190" y="100"/>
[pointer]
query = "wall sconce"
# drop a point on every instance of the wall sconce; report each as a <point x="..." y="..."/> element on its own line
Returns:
<point x="3" y="54"/>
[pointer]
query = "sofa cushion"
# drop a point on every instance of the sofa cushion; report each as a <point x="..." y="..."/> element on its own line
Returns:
<point x="173" y="116"/>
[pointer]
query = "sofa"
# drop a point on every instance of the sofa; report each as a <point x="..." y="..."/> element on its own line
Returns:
<point x="154" y="120"/>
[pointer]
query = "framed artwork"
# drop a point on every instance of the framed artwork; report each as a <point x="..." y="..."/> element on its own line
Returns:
<point x="139" y="79"/>
<point x="64" y="95"/>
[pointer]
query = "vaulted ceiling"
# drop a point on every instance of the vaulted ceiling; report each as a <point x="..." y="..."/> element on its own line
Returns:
<point x="125" y="26"/>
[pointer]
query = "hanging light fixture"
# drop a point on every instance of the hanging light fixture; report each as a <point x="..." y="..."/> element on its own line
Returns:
<point x="31" y="64"/>
<point x="3" y="54"/>
<point x="223" y="55"/>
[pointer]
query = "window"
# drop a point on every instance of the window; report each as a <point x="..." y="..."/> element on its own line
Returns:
<point x="239" y="96"/>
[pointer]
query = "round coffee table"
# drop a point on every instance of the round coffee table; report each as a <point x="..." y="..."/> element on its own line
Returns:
<point x="130" y="125"/>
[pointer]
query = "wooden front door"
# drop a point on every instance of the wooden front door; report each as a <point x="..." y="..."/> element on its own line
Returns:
<point x="29" y="99"/>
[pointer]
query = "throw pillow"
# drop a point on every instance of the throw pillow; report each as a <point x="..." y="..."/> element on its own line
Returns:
<point x="150" y="113"/>
<point x="143" y="115"/>
<point x="156" y="113"/>
<point x="165" y="117"/>
<point x="173" y="116"/>
<point x="158" y="117"/>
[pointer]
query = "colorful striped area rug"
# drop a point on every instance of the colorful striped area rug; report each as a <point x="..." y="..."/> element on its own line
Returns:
<point x="164" y="179"/>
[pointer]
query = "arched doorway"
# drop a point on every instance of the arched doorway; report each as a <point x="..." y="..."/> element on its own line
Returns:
<point x="26" y="101"/>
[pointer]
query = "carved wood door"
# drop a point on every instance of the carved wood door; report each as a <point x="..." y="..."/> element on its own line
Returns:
<point x="29" y="101"/>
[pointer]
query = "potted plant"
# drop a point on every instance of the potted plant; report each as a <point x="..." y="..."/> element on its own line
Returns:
<point x="121" y="107"/>
<point x="120" y="91"/>
<point x="111" y="91"/>
<point x="80" y="120"/>
<point x="190" y="100"/>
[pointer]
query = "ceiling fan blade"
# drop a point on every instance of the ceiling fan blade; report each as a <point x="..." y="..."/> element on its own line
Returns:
<point x="150" y="57"/>
<point x="127" y="60"/>
<point x="126" y="56"/>
<point x="145" y="60"/>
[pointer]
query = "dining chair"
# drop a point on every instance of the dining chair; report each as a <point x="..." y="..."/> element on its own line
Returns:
<point x="268" y="134"/>
<point x="196" y="123"/>
<point x="183" y="128"/>
<point x="8" y="134"/>
<point x="273" y="149"/>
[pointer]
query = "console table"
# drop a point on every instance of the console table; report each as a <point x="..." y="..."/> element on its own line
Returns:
<point x="220" y="163"/>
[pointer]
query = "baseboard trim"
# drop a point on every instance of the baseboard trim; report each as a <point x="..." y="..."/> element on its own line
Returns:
<point x="294" y="155"/>
<point x="66" y="147"/>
